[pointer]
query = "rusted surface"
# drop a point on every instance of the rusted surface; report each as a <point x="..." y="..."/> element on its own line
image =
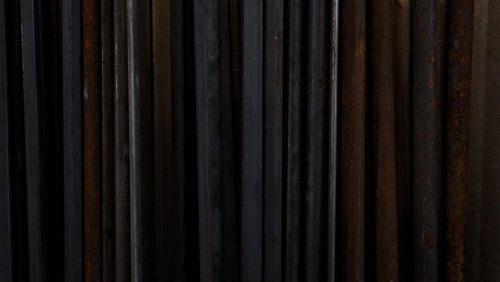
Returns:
<point x="91" y="142"/>
<point x="459" y="93"/>
<point x="382" y="92"/>
<point x="352" y="139"/>
<point x="427" y="128"/>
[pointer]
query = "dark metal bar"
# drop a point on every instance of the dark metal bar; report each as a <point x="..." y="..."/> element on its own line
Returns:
<point x="107" y="139"/>
<point x="72" y="136"/>
<point x="382" y="73"/>
<point x="333" y="144"/>
<point x="121" y="144"/>
<point x="273" y="123"/>
<point x="294" y="89"/>
<point x="352" y="140"/>
<point x="461" y="17"/>
<point x="426" y="138"/>
<point x="316" y="130"/>
<point x="36" y="170"/>
<point x="252" y="136"/>
<point x="403" y="132"/>
<point x="6" y="242"/>
<point x="92" y="141"/>
<point x="163" y="127"/>
<point x="141" y="140"/>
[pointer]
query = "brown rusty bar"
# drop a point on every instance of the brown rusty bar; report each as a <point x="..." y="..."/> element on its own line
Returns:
<point x="459" y="97"/>
<point x="382" y="88"/>
<point x="352" y="144"/>
<point x="121" y="144"/>
<point x="91" y="142"/>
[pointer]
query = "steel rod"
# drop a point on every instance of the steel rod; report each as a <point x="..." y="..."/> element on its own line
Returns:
<point x="460" y="28"/>
<point x="352" y="139"/>
<point x="426" y="138"/>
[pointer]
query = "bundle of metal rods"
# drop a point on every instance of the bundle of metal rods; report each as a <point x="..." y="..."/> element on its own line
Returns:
<point x="234" y="140"/>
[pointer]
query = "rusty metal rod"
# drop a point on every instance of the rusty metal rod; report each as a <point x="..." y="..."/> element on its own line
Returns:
<point x="273" y="123"/>
<point x="252" y="147"/>
<point x="315" y="144"/>
<point x="458" y="125"/>
<point x="293" y="159"/>
<point x="382" y="71"/>
<point x="352" y="139"/>
<point x="72" y="136"/>
<point x="427" y="144"/>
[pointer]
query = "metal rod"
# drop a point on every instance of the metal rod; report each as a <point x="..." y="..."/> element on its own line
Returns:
<point x="352" y="140"/>
<point x="460" y="30"/>
<point x="273" y="123"/>
<point x="252" y="136"/>
<point x="316" y="130"/>
<point x="36" y="171"/>
<point x="333" y="144"/>
<point x="72" y="136"/>
<point x="6" y="242"/>
<point x="427" y="138"/>
<point x="294" y="89"/>
<point x="382" y="61"/>
<point x="121" y="144"/>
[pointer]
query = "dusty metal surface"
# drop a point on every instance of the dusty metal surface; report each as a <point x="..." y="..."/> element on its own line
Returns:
<point x="427" y="144"/>
<point x="352" y="139"/>
<point x="459" y="91"/>
<point x="382" y="92"/>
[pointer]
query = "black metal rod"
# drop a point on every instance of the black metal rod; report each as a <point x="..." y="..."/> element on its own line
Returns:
<point x="316" y="136"/>
<point x="294" y="89"/>
<point x="427" y="130"/>
<point x="72" y="136"/>
<point x="252" y="136"/>
<point x="6" y="242"/>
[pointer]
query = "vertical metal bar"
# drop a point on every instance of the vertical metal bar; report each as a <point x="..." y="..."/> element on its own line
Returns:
<point x="36" y="171"/>
<point x="459" y="100"/>
<point x="6" y="242"/>
<point x="91" y="141"/>
<point x="121" y="144"/>
<point x="294" y="89"/>
<point x="141" y="140"/>
<point x="427" y="139"/>
<point x="72" y="136"/>
<point x="107" y="139"/>
<point x="333" y="143"/>
<point x="163" y="132"/>
<point x="403" y="132"/>
<point x="352" y="140"/>
<point x="273" y="131"/>
<point x="316" y="130"/>
<point x="382" y="73"/>
<point x="252" y="139"/>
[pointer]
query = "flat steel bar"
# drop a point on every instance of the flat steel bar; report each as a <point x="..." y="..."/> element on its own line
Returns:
<point x="141" y="140"/>
<point x="6" y="240"/>
<point x="352" y="139"/>
<point x="252" y="136"/>
<point x="107" y="142"/>
<point x="316" y="137"/>
<point x="294" y="86"/>
<point x="163" y="133"/>
<point x="72" y="136"/>
<point x="333" y="144"/>
<point x="461" y="17"/>
<point x="92" y="237"/>
<point x="273" y="139"/>
<point x="36" y="171"/>
<point x="121" y="143"/>
<point x="403" y="133"/>
<point x="383" y="90"/>
<point x="427" y="128"/>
